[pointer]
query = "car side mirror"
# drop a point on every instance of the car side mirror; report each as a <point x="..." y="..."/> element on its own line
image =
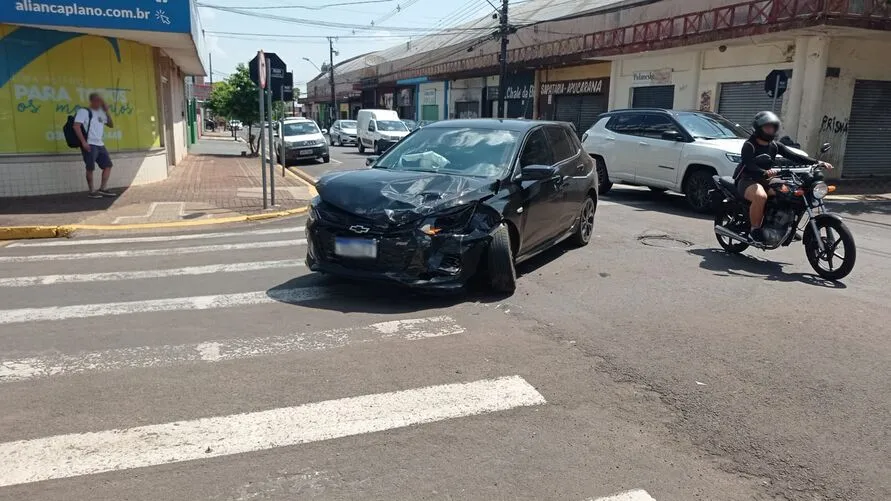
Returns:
<point x="369" y="161"/>
<point x="537" y="172"/>
<point x="825" y="148"/>
<point x="673" y="135"/>
<point x="324" y="131"/>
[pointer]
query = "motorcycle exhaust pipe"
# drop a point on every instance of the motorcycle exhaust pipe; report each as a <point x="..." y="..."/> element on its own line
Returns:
<point x="724" y="232"/>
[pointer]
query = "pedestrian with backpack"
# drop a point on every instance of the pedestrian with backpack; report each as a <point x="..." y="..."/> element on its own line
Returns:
<point x="89" y="127"/>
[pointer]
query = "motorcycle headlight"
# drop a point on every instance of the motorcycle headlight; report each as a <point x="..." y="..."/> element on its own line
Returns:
<point x="451" y="221"/>
<point x="734" y="158"/>
<point x="820" y="190"/>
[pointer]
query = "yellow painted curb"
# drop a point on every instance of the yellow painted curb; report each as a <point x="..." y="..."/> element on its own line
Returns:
<point x="28" y="232"/>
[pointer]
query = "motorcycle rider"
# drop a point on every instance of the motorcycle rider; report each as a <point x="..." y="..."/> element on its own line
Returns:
<point x="751" y="179"/>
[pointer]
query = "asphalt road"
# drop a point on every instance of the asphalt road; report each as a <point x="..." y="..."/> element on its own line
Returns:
<point x="212" y="366"/>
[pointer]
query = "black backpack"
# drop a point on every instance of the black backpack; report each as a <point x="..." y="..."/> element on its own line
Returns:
<point x="68" y="130"/>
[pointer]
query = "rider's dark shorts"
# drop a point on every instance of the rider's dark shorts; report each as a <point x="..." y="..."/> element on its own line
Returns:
<point x="742" y="184"/>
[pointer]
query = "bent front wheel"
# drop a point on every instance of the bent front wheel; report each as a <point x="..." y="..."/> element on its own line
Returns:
<point x="836" y="260"/>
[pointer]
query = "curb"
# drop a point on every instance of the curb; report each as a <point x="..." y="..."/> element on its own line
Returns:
<point x="306" y="178"/>
<point x="61" y="231"/>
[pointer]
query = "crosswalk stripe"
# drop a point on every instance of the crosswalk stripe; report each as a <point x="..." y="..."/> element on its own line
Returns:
<point x="166" y="238"/>
<point x="636" y="495"/>
<point x="143" y="274"/>
<point x="211" y="302"/>
<point x="75" y="454"/>
<point x="153" y="252"/>
<point x="411" y="329"/>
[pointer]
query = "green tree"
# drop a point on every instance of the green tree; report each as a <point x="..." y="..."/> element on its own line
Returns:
<point x="236" y="99"/>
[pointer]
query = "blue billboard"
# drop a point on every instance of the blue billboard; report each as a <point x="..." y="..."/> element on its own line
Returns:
<point x="171" y="16"/>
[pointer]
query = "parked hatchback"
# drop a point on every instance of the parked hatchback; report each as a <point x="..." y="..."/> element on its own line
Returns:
<point x="342" y="133"/>
<point x="665" y="150"/>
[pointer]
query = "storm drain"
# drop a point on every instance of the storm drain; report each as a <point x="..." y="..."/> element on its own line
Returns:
<point x="664" y="241"/>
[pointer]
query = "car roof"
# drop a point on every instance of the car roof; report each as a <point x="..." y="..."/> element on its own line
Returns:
<point x="658" y="110"/>
<point x="514" y="124"/>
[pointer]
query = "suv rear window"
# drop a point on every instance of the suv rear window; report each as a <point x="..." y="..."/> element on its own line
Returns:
<point x="626" y="123"/>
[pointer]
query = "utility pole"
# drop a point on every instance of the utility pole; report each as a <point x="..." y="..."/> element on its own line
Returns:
<point x="334" y="113"/>
<point x="504" y="30"/>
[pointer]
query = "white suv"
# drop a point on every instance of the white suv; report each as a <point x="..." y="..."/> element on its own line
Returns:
<point x="665" y="150"/>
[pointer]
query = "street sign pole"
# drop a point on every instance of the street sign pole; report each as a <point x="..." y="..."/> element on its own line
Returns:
<point x="261" y="60"/>
<point x="271" y="142"/>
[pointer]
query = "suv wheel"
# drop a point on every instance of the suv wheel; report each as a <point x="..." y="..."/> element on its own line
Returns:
<point x="604" y="185"/>
<point x="696" y="188"/>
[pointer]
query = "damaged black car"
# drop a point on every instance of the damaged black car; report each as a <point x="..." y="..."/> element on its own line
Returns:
<point x="455" y="200"/>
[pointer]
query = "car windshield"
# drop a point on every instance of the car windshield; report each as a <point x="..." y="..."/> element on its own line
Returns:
<point x="348" y="124"/>
<point x="300" y="128"/>
<point x="460" y="151"/>
<point x="704" y="126"/>
<point x="391" y="125"/>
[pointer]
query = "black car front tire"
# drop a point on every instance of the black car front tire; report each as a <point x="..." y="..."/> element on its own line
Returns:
<point x="500" y="260"/>
<point x="584" y="230"/>
<point x="603" y="182"/>
<point x="696" y="189"/>
<point x="361" y="147"/>
<point x="326" y="158"/>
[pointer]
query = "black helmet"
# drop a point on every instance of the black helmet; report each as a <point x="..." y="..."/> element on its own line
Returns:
<point x="766" y="118"/>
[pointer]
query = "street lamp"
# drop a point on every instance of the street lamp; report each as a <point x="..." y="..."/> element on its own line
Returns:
<point x="308" y="60"/>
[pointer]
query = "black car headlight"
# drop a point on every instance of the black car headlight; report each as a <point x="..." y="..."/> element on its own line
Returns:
<point x="450" y="221"/>
<point x="313" y="211"/>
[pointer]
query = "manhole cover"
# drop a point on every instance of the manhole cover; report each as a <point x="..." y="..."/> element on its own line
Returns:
<point x="664" y="241"/>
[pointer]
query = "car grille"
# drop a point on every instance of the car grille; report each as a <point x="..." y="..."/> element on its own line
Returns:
<point x="340" y="219"/>
<point x="303" y="143"/>
<point x="394" y="252"/>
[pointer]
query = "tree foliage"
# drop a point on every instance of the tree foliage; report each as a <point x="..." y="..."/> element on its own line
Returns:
<point x="236" y="98"/>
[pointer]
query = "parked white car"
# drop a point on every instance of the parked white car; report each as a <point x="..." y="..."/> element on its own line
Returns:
<point x="303" y="140"/>
<point x="379" y="129"/>
<point x="665" y="150"/>
<point x="342" y="133"/>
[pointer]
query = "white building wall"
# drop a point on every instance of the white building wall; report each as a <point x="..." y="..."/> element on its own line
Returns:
<point x="433" y="93"/>
<point x="682" y="66"/>
<point x="178" y="101"/>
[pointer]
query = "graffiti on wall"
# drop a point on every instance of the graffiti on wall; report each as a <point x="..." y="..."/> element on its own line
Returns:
<point x="705" y="101"/>
<point x="833" y="125"/>
<point x="50" y="75"/>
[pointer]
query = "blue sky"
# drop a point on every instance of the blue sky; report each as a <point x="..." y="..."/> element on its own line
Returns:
<point x="229" y="50"/>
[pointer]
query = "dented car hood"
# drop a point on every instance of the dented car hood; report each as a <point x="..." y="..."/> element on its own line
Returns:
<point x="397" y="197"/>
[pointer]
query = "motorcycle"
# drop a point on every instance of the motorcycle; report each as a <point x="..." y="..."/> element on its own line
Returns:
<point x="794" y="193"/>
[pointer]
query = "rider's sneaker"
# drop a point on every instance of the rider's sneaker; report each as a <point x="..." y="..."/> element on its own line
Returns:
<point x="757" y="235"/>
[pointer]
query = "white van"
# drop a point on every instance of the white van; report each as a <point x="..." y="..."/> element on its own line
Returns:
<point x="379" y="129"/>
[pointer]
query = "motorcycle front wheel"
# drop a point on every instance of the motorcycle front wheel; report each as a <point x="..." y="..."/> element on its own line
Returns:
<point x="836" y="260"/>
<point x="734" y="223"/>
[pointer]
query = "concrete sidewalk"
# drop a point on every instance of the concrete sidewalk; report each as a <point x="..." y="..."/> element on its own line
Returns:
<point x="213" y="182"/>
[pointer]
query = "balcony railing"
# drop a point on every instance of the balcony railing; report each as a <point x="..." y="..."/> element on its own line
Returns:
<point x="742" y="19"/>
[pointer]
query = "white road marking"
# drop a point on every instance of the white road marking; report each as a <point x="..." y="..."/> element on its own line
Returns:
<point x="212" y="302"/>
<point x="336" y="161"/>
<point x="412" y="329"/>
<point x="143" y="274"/>
<point x="153" y="252"/>
<point x="636" y="495"/>
<point x="168" y="238"/>
<point x="64" y="456"/>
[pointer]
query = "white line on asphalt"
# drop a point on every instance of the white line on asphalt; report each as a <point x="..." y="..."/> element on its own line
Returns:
<point x="168" y="238"/>
<point x="173" y="304"/>
<point x="410" y="329"/>
<point x="336" y="161"/>
<point x="637" y="495"/>
<point x="153" y="252"/>
<point x="140" y="275"/>
<point x="64" y="456"/>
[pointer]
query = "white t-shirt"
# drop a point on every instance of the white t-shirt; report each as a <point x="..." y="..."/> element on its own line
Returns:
<point x="96" y="127"/>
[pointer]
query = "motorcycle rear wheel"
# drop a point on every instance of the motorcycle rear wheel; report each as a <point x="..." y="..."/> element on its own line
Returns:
<point x="734" y="223"/>
<point x="835" y="236"/>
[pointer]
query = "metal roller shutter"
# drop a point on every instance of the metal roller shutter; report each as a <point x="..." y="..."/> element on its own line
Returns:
<point x="657" y="96"/>
<point x="740" y="101"/>
<point x="868" y="149"/>
<point x="467" y="109"/>
<point x="581" y="111"/>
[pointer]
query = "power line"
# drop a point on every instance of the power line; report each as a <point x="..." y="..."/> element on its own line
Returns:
<point x="325" y="24"/>
<point x="305" y="7"/>
<point x="397" y="10"/>
<point x="226" y="34"/>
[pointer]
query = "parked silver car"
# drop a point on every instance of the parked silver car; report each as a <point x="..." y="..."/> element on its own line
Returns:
<point x="342" y="133"/>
